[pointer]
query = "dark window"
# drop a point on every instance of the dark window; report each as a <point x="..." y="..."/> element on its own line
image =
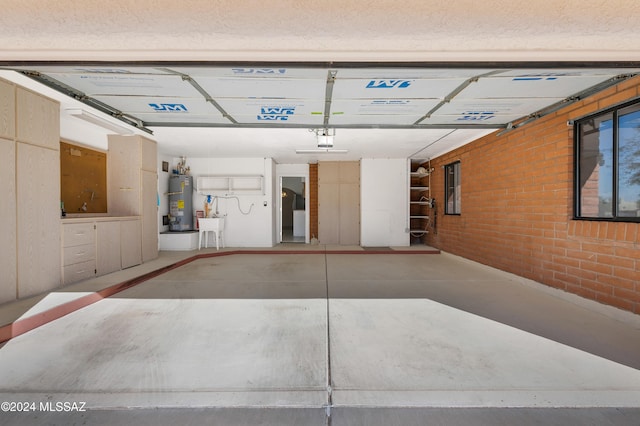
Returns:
<point x="452" y="188"/>
<point x="608" y="165"/>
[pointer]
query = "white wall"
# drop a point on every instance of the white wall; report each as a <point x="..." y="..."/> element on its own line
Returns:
<point x="384" y="202"/>
<point x="249" y="217"/>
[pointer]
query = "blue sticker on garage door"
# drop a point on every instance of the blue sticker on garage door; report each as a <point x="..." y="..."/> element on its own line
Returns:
<point x="168" y="107"/>
<point x="259" y="71"/>
<point x="389" y="84"/>
<point x="274" y="113"/>
<point x="544" y="76"/>
<point x="476" y="115"/>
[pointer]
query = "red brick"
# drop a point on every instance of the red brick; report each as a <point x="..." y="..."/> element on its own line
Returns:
<point x="565" y="262"/>
<point x="630" y="295"/>
<point x="617" y="302"/>
<point x="627" y="251"/>
<point x="631" y="233"/>
<point x="629" y="274"/>
<point x="596" y="286"/>
<point x="617" y="282"/>
<point x="597" y="248"/>
<point x="616" y="261"/>
<point x="582" y="273"/>
<point x="618" y="97"/>
<point x="581" y="291"/>
<point x="596" y="267"/>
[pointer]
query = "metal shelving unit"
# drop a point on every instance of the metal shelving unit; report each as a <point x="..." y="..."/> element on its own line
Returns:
<point x="419" y="199"/>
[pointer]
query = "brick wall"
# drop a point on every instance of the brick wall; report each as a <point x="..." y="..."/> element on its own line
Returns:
<point x="313" y="202"/>
<point x="517" y="210"/>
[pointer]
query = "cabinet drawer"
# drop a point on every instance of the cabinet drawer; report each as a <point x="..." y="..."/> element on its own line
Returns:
<point x="79" y="271"/>
<point x="79" y="254"/>
<point x="77" y="234"/>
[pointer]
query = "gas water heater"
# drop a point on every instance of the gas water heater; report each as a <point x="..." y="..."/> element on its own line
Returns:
<point x="180" y="203"/>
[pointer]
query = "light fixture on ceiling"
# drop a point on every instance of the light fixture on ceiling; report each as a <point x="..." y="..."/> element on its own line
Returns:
<point x="99" y="121"/>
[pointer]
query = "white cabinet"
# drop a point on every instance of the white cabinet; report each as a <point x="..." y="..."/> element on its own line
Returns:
<point x="78" y="252"/>
<point x="130" y="243"/>
<point x="107" y="247"/>
<point x="30" y="207"/>
<point x="37" y="193"/>
<point x="123" y="179"/>
<point x="97" y="246"/>
<point x="132" y="182"/>
<point x="230" y="184"/>
<point x="38" y="120"/>
<point x="7" y="110"/>
<point x="8" y="258"/>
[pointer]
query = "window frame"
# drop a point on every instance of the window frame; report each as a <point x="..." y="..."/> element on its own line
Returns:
<point x="453" y="169"/>
<point x="614" y="111"/>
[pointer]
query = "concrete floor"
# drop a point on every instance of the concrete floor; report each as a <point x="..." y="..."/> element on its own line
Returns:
<point x="317" y="339"/>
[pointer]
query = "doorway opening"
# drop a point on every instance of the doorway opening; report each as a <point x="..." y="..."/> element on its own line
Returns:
<point x="293" y="208"/>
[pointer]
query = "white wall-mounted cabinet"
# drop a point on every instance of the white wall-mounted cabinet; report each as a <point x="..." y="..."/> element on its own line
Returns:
<point x="7" y="110"/>
<point x="230" y="184"/>
<point x="38" y="120"/>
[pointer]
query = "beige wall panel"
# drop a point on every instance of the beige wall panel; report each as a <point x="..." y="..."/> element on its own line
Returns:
<point x="328" y="213"/>
<point x="38" y="213"/>
<point x="149" y="215"/>
<point x="7" y="110"/>
<point x="107" y="247"/>
<point x="8" y="255"/>
<point x="38" y="119"/>
<point x="349" y="214"/>
<point x="350" y="172"/>
<point x="328" y="172"/>
<point x="130" y="243"/>
<point x="339" y="202"/>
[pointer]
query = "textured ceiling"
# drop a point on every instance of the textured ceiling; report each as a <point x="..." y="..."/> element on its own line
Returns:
<point x="529" y="56"/>
<point x="411" y="30"/>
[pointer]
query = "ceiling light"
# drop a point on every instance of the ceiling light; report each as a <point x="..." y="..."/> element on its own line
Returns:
<point x="99" y="121"/>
